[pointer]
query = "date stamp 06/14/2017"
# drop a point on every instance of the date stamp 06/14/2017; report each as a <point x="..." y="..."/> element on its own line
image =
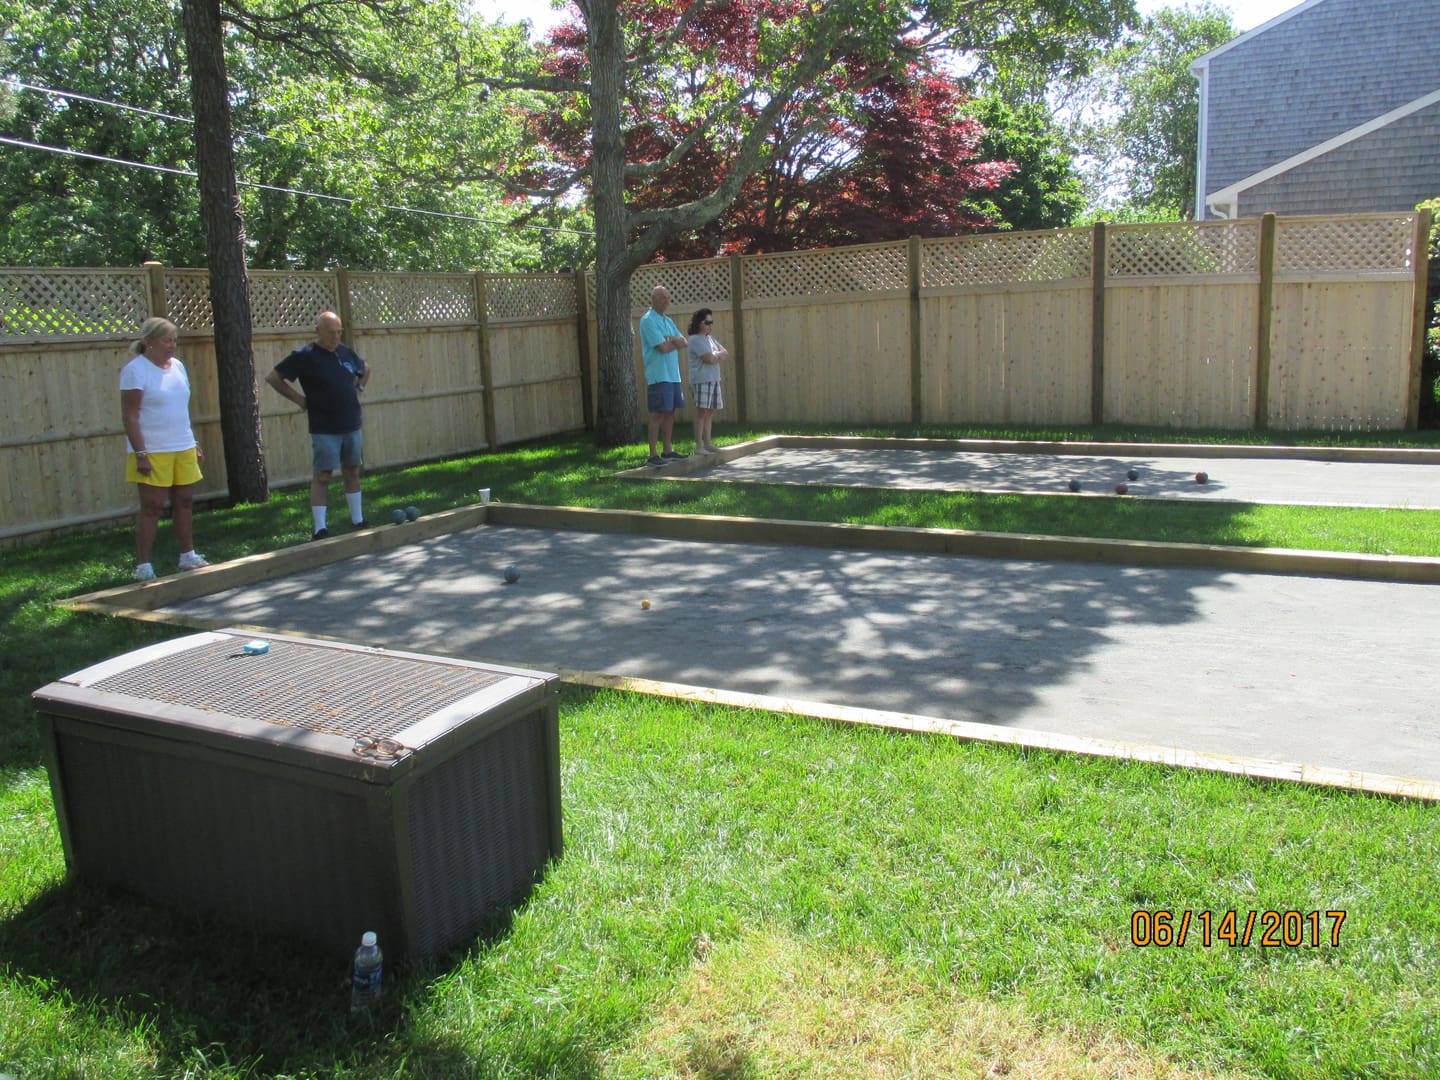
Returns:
<point x="1237" y="929"/>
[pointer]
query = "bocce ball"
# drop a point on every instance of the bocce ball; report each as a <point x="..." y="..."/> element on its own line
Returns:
<point x="512" y="574"/>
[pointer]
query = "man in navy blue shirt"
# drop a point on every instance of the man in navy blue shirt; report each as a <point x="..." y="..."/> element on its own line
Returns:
<point x="332" y="376"/>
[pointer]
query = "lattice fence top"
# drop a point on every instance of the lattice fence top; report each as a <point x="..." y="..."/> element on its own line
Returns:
<point x="1182" y="248"/>
<point x="1006" y="258"/>
<point x="187" y="299"/>
<point x="836" y="271"/>
<point x="530" y="296"/>
<point x="1364" y="244"/>
<point x="692" y="284"/>
<point x="36" y="304"/>
<point x="388" y="299"/>
<point x="290" y="299"/>
<point x="279" y="299"/>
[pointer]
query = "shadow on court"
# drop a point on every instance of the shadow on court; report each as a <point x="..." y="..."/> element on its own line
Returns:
<point x="1239" y="664"/>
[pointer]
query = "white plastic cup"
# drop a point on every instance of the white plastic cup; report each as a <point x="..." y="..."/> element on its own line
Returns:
<point x="484" y="496"/>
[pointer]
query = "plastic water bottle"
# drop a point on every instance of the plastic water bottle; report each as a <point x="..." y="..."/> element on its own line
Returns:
<point x="365" y="977"/>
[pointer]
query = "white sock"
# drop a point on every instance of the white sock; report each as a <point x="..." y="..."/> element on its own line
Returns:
<point x="353" y="498"/>
<point x="318" y="513"/>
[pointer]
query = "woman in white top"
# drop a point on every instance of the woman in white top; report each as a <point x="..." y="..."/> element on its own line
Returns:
<point x="705" y="356"/>
<point x="164" y="458"/>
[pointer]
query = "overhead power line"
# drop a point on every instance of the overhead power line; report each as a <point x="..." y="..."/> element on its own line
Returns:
<point x="119" y="105"/>
<point x="5" y="140"/>
<point x="242" y="183"/>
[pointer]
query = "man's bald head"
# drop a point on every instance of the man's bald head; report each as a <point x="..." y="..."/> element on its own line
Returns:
<point x="327" y="330"/>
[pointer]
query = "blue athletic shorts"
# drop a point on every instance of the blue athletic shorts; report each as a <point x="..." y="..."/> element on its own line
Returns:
<point x="329" y="452"/>
<point x="665" y="396"/>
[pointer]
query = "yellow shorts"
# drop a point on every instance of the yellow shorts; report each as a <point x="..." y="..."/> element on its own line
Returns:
<point x="167" y="470"/>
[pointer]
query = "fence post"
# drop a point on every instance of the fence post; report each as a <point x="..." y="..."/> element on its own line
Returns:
<point x="1424" y="222"/>
<point x="342" y="298"/>
<point x="917" y="390"/>
<point x="583" y="357"/>
<point x="1097" y="324"/>
<point x="737" y="325"/>
<point x="1265" y="321"/>
<point x="155" y="297"/>
<point x="482" y="342"/>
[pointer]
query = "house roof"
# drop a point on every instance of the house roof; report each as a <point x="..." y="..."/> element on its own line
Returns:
<point x="1298" y="101"/>
<point x="1204" y="59"/>
<point x="1222" y="202"/>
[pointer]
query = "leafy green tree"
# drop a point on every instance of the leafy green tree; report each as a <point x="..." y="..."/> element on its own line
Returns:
<point x="1044" y="191"/>
<point x="1141" y="110"/>
<point x="71" y="211"/>
<point x="1430" y="364"/>
<point x="376" y="108"/>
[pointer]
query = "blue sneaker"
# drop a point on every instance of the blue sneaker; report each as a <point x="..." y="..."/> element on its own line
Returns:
<point x="655" y="462"/>
<point x="673" y="455"/>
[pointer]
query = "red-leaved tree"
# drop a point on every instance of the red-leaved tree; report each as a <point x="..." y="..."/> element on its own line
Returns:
<point x="869" y="153"/>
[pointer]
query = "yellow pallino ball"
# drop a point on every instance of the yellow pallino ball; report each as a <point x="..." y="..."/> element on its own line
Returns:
<point x="645" y="604"/>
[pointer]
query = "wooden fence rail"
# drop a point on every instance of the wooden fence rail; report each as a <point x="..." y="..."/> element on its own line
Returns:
<point x="1294" y="323"/>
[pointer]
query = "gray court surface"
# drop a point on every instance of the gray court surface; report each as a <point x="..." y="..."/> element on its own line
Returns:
<point x="1285" y="481"/>
<point x="1338" y="673"/>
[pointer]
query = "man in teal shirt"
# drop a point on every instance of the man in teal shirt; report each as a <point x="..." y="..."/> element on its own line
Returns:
<point x="660" y="343"/>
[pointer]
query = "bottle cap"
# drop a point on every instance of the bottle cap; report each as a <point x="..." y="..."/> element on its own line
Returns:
<point x="368" y="938"/>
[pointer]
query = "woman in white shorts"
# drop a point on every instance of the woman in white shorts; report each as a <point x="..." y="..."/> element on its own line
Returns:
<point x="705" y="356"/>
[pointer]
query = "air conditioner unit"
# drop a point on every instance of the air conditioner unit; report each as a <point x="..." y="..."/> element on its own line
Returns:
<point x="309" y="787"/>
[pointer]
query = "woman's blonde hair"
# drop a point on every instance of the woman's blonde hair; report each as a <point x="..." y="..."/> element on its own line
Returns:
<point x="152" y="329"/>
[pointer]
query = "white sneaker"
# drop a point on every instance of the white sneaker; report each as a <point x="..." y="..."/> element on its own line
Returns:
<point x="144" y="572"/>
<point x="191" y="561"/>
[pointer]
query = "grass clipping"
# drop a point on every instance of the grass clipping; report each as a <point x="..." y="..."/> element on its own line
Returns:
<point x="771" y="1006"/>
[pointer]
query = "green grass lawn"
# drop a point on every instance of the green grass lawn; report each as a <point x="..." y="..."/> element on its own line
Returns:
<point x="750" y="894"/>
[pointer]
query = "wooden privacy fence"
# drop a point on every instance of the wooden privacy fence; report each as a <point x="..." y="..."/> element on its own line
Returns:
<point x="461" y="363"/>
<point x="1294" y="323"/>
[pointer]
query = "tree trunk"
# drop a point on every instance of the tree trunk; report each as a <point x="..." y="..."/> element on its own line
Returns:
<point x="225" y="253"/>
<point x="617" y="409"/>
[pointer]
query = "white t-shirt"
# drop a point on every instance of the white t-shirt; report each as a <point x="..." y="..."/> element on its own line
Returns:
<point x="164" y="404"/>
<point x="697" y="346"/>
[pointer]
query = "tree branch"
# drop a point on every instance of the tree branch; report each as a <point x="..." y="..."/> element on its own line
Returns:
<point x="658" y="226"/>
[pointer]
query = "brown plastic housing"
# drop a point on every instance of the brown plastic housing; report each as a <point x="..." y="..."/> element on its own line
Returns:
<point x="311" y="788"/>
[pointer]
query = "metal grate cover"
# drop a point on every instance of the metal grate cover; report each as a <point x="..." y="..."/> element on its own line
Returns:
<point x="321" y="689"/>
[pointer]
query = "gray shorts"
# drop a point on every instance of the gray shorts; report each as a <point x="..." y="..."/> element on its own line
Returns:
<point x="707" y="395"/>
<point x="330" y="452"/>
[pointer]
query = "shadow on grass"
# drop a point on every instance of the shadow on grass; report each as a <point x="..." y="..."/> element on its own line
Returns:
<point x="45" y="645"/>
<point x="259" y="1004"/>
